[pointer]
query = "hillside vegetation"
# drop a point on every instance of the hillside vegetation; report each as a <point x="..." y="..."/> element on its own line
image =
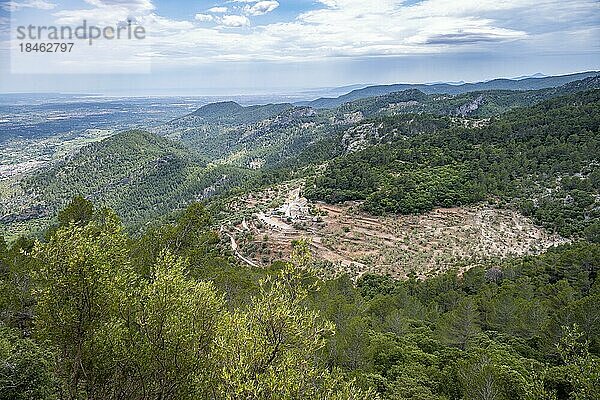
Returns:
<point x="223" y="146"/>
<point x="542" y="159"/>
<point x="141" y="175"/>
<point x="267" y="135"/>
<point x="94" y="313"/>
<point x="457" y="142"/>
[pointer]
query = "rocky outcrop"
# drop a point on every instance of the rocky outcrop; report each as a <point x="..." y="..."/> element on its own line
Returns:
<point x="359" y="137"/>
<point x="468" y="108"/>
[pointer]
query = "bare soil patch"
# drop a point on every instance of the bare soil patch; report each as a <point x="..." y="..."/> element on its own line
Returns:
<point x="356" y="243"/>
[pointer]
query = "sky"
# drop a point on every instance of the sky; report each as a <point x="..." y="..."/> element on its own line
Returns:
<point x="275" y="46"/>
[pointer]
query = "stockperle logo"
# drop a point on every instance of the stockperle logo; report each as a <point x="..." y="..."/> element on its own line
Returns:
<point x="85" y="32"/>
<point x="38" y="47"/>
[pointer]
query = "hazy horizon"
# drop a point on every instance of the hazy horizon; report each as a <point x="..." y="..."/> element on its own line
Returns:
<point x="236" y="47"/>
<point x="304" y="92"/>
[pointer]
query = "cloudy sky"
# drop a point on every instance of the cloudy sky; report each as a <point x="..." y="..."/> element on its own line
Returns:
<point x="245" y="46"/>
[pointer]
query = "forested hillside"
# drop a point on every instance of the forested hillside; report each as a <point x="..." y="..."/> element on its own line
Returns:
<point x="479" y="104"/>
<point x="267" y="135"/>
<point x="542" y="159"/>
<point x="141" y="175"/>
<point x="235" y="114"/>
<point x="220" y="146"/>
<point x="299" y="200"/>
<point x="158" y="279"/>
<point x="253" y="138"/>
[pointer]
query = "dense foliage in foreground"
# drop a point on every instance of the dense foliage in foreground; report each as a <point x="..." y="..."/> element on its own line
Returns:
<point x="108" y="317"/>
<point x="91" y="313"/>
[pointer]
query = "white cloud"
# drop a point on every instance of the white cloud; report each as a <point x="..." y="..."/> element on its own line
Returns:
<point x="262" y="7"/>
<point x="456" y="32"/>
<point x="131" y="4"/>
<point x="106" y="12"/>
<point x="356" y="28"/>
<point x="19" y="5"/>
<point x="204" y="17"/>
<point x="235" y="21"/>
<point x="157" y="27"/>
<point x="218" y="10"/>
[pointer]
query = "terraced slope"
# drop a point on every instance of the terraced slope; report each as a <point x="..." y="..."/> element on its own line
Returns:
<point x="351" y="241"/>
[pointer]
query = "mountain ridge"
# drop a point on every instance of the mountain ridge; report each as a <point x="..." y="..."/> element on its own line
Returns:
<point x="531" y="83"/>
<point x="232" y="113"/>
<point x="137" y="173"/>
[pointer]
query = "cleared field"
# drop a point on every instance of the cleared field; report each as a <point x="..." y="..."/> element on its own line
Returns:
<point x="427" y="244"/>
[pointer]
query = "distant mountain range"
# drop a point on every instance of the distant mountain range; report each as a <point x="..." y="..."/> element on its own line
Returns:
<point x="529" y="83"/>
<point x="264" y="135"/>
<point x="536" y="76"/>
